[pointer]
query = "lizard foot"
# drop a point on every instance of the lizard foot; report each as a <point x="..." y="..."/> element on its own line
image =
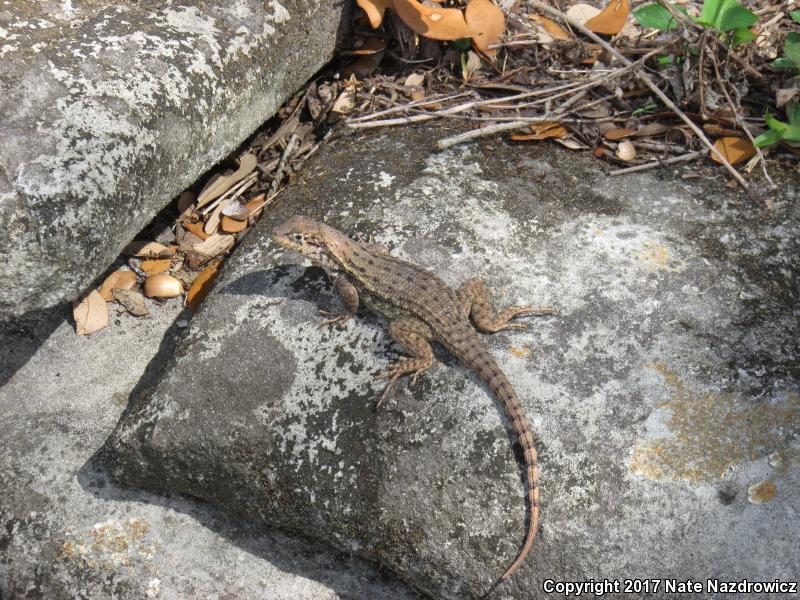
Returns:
<point x="404" y="366"/>
<point x="340" y="321"/>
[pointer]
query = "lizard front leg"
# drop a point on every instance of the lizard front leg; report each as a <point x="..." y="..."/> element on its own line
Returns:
<point x="349" y="296"/>
<point x="474" y="298"/>
<point x="414" y="336"/>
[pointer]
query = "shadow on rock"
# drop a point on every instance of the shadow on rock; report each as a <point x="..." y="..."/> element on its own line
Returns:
<point x="22" y="337"/>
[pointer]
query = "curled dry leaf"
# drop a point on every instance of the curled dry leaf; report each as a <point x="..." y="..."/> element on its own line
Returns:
<point x="151" y="267"/>
<point x="195" y="228"/>
<point x="414" y="80"/>
<point x="541" y="131"/>
<point x="374" y="10"/>
<point x="345" y="102"/>
<point x="215" y="244"/>
<point x="91" y="313"/>
<point x="626" y="151"/>
<point x="734" y="149"/>
<point x="123" y="280"/>
<point x="162" y="286"/>
<point x="487" y="23"/>
<point x="142" y="249"/>
<point x="618" y="134"/>
<point x="435" y="23"/>
<point x="131" y="301"/>
<point x="221" y="184"/>
<point x="229" y="225"/>
<point x="212" y="222"/>
<point x="611" y="19"/>
<point x="651" y="129"/>
<point x="202" y="286"/>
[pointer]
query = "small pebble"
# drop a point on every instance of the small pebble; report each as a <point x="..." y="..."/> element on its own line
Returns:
<point x="759" y="493"/>
<point x="182" y="323"/>
<point x="775" y="460"/>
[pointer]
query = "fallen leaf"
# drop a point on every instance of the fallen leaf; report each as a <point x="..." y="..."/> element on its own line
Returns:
<point x="142" y="249"/>
<point x="212" y="222"/>
<point x="196" y="228"/>
<point x="734" y="149"/>
<point x="215" y="244"/>
<point x="581" y="13"/>
<point x="550" y="27"/>
<point x="435" y="23"/>
<point x="571" y="143"/>
<point x="611" y="19"/>
<point x="414" y="80"/>
<point x="651" y="129"/>
<point x="487" y="23"/>
<point x="151" y="267"/>
<point x="202" y="286"/>
<point x="371" y="55"/>
<point x="231" y="225"/>
<point x="236" y="210"/>
<point x="541" y="131"/>
<point x="162" y="286"/>
<point x="219" y="185"/>
<point x="345" y="102"/>
<point x="618" y="134"/>
<point x="626" y="151"/>
<point x="374" y="10"/>
<point x="470" y="64"/>
<point x="91" y="313"/>
<point x="132" y="301"/>
<point x="117" y="280"/>
<point x="417" y="95"/>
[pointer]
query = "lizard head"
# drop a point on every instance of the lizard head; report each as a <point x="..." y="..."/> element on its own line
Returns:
<point x="322" y="244"/>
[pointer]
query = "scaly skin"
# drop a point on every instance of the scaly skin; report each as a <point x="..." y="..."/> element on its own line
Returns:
<point x="421" y="308"/>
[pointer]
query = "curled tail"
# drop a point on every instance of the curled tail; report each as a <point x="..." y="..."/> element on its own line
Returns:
<point x="491" y="374"/>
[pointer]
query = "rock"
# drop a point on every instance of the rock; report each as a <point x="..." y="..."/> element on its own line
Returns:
<point x="67" y="531"/>
<point x="655" y="396"/>
<point x="108" y="110"/>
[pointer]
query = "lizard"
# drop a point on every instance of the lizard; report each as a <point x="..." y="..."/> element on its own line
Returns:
<point x="422" y="308"/>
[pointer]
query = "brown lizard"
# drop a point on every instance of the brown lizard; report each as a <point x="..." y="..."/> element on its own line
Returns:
<point x="422" y="308"/>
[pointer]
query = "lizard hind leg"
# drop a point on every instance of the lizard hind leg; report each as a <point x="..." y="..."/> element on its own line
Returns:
<point x="414" y="336"/>
<point x="474" y="298"/>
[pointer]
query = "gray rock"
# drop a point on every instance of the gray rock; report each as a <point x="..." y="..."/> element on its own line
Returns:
<point x="109" y="109"/>
<point x="655" y="397"/>
<point x="67" y="532"/>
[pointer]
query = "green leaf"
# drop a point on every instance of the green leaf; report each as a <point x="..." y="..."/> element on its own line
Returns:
<point x="768" y="138"/>
<point x="791" y="49"/>
<point x="725" y="15"/>
<point x="784" y="63"/>
<point x="462" y="43"/>
<point x="665" y="60"/>
<point x="657" y="17"/>
<point x="743" y="36"/>
<point x="795" y="14"/>
<point x="774" y="123"/>
<point x="793" y="112"/>
<point x="792" y="134"/>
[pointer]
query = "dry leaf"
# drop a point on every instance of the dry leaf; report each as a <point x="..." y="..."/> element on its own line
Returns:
<point x="162" y="286"/>
<point x="230" y="225"/>
<point x="202" y="286"/>
<point x="414" y="80"/>
<point x="472" y="64"/>
<point x="91" y="313"/>
<point x="151" y="267"/>
<point x="618" y="134"/>
<point x="626" y="151"/>
<point x="132" y="301"/>
<point x="435" y="23"/>
<point x="734" y="149"/>
<point x="124" y="280"/>
<point x="541" y="131"/>
<point x="581" y="13"/>
<point x="651" y="129"/>
<point x="214" y="245"/>
<point x="148" y="250"/>
<point x="371" y="56"/>
<point x="236" y="210"/>
<point x="611" y="19"/>
<point x="549" y="28"/>
<point x="219" y="185"/>
<point x="212" y="222"/>
<point x="374" y="10"/>
<point x="487" y="23"/>
<point x="196" y="228"/>
<point x="571" y="143"/>
<point x="345" y="102"/>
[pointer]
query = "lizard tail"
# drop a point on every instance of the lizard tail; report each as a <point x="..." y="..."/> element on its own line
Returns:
<point x="497" y="381"/>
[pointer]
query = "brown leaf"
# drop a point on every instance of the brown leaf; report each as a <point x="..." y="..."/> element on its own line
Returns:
<point x="236" y="210"/>
<point x="202" y="286"/>
<point x="542" y="131"/>
<point x="435" y="23"/>
<point x="374" y="10"/>
<point x="151" y="267"/>
<point x="196" y="228"/>
<point x="231" y="225"/>
<point x="582" y="12"/>
<point x="143" y="249"/>
<point x="371" y="55"/>
<point x="552" y="28"/>
<point x="734" y="149"/>
<point x="611" y="19"/>
<point x="618" y="134"/>
<point x="218" y="185"/>
<point x="215" y="245"/>
<point x="124" y="280"/>
<point x="91" y="313"/>
<point x="651" y="129"/>
<point x="132" y="301"/>
<point x="487" y="23"/>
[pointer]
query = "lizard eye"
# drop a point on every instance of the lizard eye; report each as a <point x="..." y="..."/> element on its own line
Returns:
<point x="298" y="237"/>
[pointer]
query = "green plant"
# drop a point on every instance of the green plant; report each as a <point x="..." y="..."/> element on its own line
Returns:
<point x="657" y="17"/>
<point x="791" y="48"/>
<point x="780" y="131"/>
<point x="728" y="17"/>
